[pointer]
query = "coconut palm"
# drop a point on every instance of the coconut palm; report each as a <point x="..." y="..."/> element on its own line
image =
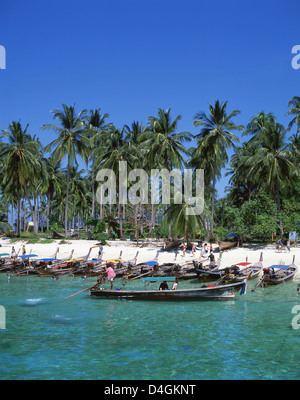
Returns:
<point x="184" y="219"/>
<point x="294" y="110"/>
<point x="95" y="124"/>
<point x="164" y="143"/>
<point x="216" y="138"/>
<point x="113" y="150"/>
<point x="22" y="165"/>
<point x="72" y="141"/>
<point x="271" y="165"/>
<point x="242" y="183"/>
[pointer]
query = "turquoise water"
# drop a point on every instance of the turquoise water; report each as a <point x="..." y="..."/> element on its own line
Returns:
<point x="50" y="337"/>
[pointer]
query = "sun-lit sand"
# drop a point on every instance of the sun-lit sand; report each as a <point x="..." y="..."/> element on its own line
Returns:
<point x="129" y="250"/>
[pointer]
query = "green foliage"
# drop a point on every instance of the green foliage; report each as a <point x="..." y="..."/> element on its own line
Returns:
<point x="101" y="237"/>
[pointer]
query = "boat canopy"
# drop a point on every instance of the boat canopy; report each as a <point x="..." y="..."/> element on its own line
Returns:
<point x="48" y="259"/>
<point x="115" y="261"/>
<point x="74" y="260"/>
<point x="93" y="261"/>
<point x="243" y="264"/>
<point x="150" y="263"/>
<point x="159" y="278"/>
<point x="279" y="266"/>
<point x="4" y="254"/>
<point x="28" y="256"/>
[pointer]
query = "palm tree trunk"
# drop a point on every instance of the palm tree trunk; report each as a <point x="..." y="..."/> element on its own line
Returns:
<point x="213" y="197"/>
<point x="47" y="213"/>
<point x="18" y="216"/>
<point x="93" y="190"/>
<point x="12" y="215"/>
<point x="279" y="209"/>
<point x="67" y="200"/>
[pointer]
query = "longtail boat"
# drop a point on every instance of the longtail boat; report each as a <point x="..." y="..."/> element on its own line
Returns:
<point x="239" y="271"/>
<point x="277" y="274"/>
<point x="224" y="245"/>
<point x="213" y="292"/>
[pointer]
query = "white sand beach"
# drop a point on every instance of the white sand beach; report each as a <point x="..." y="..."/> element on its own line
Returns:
<point x="129" y="250"/>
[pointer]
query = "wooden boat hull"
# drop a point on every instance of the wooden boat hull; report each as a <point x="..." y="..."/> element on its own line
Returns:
<point x="208" y="275"/>
<point x="227" y="245"/>
<point x="291" y="272"/>
<point x="224" y="292"/>
<point x="255" y="269"/>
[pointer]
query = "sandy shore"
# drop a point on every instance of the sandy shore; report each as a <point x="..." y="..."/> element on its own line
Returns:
<point x="129" y="250"/>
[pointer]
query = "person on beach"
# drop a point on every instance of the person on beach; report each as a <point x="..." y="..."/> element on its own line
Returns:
<point x="205" y="250"/>
<point x="100" y="252"/>
<point x="183" y="249"/>
<point x="279" y="245"/>
<point x="23" y="250"/>
<point x="212" y="259"/>
<point x="13" y="253"/>
<point x="288" y="245"/>
<point x="193" y="250"/>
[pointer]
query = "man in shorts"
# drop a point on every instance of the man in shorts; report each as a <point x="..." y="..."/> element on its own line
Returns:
<point x="110" y="274"/>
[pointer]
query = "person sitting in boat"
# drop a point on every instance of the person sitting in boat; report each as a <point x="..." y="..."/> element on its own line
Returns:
<point x="174" y="287"/>
<point x="163" y="286"/>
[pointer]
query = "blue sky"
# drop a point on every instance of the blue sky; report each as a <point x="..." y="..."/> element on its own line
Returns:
<point x="130" y="58"/>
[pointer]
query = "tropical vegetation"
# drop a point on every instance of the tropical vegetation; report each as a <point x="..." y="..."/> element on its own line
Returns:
<point x="55" y="186"/>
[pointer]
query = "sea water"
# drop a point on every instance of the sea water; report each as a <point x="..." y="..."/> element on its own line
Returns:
<point x="47" y="336"/>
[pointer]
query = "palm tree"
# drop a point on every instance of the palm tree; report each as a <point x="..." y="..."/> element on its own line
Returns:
<point x="164" y="143"/>
<point x="295" y="110"/>
<point x="53" y="184"/>
<point x="22" y="165"/>
<point x="271" y="164"/>
<point x="96" y="126"/>
<point x="184" y="220"/>
<point x="113" y="150"/>
<point x="216" y="138"/>
<point x="242" y="184"/>
<point x="72" y="140"/>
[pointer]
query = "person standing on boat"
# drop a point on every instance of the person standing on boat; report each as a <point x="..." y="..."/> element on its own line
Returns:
<point x="110" y="275"/>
